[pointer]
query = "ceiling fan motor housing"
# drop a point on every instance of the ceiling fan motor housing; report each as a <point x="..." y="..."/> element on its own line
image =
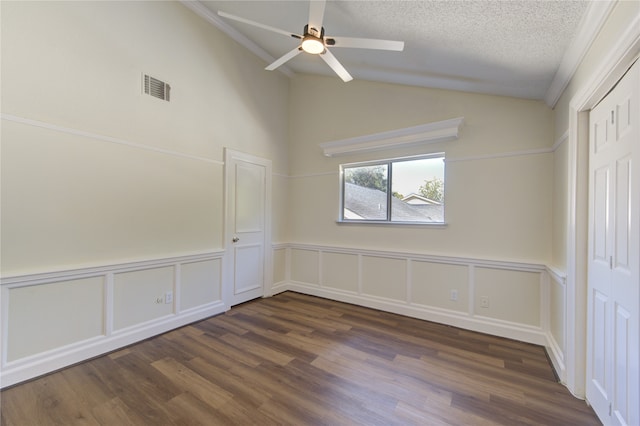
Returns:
<point x="314" y="32"/>
<point x="312" y="42"/>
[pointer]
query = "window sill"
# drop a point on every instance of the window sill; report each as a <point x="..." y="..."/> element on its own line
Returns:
<point x="440" y="225"/>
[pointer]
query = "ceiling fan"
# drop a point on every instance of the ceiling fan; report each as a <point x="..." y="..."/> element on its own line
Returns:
<point x="314" y="42"/>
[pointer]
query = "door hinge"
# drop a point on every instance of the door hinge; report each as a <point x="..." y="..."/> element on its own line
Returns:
<point x="609" y="409"/>
<point x="610" y="262"/>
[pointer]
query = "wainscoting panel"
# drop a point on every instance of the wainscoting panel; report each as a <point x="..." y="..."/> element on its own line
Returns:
<point x="73" y="309"/>
<point x="432" y="285"/>
<point x="52" y="320"/>
<point x="420" y="286"/>
<point x="558" y="301"/>
<point x="340" y="271"/>
<point x="279" y="265"/>
<point x="384" y="277"/>
<point x="556" y="335"/>
<point x="513" y="295"/>
<point x="139" y="296"/>
<point x="305" y="266"/>
<point x="200" y="283"/>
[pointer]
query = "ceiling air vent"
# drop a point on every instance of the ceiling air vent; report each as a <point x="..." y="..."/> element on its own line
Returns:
<point x="156" y="88"/>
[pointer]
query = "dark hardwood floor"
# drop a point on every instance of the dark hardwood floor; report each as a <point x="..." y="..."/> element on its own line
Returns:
<point x="302" y="360"/>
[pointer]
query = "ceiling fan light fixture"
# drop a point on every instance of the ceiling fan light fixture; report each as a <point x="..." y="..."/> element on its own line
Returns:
<point x="313" y="45"/>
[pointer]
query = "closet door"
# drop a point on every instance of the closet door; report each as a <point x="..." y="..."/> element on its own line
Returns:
<point x="613" y="331"/>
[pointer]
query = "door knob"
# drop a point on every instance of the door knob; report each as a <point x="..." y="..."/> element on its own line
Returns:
<point x="235" y="239"/>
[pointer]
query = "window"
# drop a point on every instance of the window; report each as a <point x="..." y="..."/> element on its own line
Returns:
<point x="401" y="190"/>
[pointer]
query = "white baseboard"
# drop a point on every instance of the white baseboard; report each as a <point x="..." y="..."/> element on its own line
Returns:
<point x="480" y="324"/>
<point x="556" y="356"/>
<point x="279" y="287"/>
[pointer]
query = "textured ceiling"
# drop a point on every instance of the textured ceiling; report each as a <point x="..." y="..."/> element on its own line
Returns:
<point x="511" y="48"/>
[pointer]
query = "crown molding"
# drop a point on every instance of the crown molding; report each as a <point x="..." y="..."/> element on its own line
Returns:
<point x="594" y="18"/>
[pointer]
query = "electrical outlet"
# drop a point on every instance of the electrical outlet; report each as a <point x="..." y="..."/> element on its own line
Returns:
<point x="453" y="295"/>
<point x="484" y="301"/>
<point x="168" y="297"/>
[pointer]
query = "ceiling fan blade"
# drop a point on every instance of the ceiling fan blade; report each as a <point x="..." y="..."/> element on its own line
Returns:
<point x="336" y="66"/>
<point x="316" y="15"/>
<point x="283" y="59"/>
<point x="257" y="24"/>
<point x="365" y="43"/>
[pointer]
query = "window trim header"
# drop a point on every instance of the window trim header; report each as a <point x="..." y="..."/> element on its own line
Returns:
<point x="438" y="131"/>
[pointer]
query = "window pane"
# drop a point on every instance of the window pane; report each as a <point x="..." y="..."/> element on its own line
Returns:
<point x="365" y="192"/>
<point x="418" y="190"/>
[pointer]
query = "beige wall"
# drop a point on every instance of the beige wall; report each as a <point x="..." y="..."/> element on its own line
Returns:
<point x="117" y="196"/>
<point x="560" y="206"/>
<point x="497" y="207"/>
<point x="74" y="200"/>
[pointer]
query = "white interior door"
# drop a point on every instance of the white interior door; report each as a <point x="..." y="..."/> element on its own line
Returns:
<point x="247" y="223"/>
<point x="613" y="327"/>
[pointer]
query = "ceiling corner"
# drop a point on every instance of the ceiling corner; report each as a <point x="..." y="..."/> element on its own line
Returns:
<point x="594" y="18"/>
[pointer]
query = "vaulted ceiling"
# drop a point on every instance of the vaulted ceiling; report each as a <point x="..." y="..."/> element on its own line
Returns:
<point x="527" y="49"/>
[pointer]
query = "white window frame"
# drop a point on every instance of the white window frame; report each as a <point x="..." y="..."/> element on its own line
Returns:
<point x="388" y="162"/>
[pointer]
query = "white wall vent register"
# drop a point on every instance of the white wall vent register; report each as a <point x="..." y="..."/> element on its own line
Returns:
<point x="156" y="88"/>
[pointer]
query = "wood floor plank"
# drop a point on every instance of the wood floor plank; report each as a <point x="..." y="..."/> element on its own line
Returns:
<point x="189" y="381"/>
<point x="252" y="396"/>
<point x="144" y="397"/>
<point x="192" y="410"/>
<point x="113" y="412"/>
<point x="287" y="321"/>
<point x="264" y="352"/>
<point x="229" y="353"/>
<point x="294" y="359"/>
<point x="53" y="400"/>
<point x="226" y="322"/>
